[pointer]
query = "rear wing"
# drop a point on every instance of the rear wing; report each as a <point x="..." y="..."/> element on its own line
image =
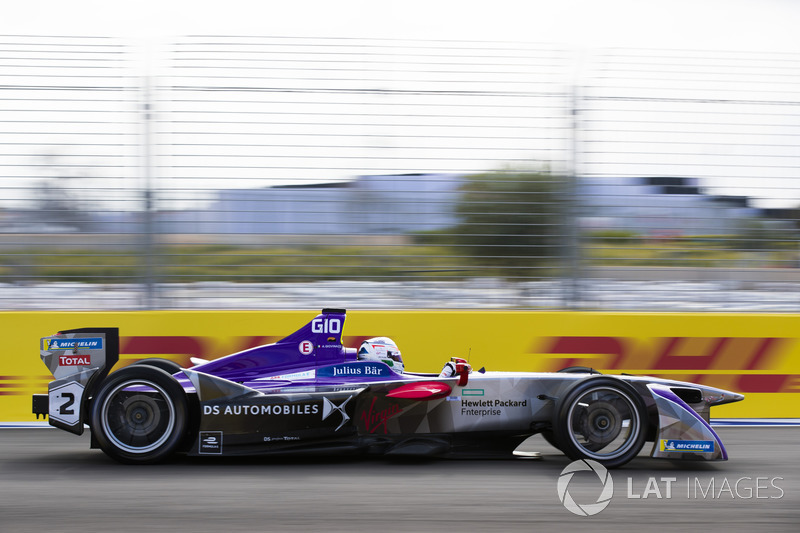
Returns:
<point x="79" y="360"/>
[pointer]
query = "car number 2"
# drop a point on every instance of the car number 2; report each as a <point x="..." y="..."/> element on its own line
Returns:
<point x="65" y="403"/>
<point x="66" y="407"/>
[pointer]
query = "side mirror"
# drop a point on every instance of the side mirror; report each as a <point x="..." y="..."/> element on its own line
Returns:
<point x="463" y="370"/>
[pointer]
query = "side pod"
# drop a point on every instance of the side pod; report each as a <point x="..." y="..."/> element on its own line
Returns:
<point x="683" y="434"/>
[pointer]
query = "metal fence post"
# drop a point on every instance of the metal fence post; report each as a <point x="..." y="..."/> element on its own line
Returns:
<point x="148" y="226"/>
<point x="572" y="292"/>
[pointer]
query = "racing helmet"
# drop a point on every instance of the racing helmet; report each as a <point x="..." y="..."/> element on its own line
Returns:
<point x="382" y="349"/>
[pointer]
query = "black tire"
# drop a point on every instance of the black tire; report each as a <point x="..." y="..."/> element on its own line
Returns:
<point x="139" y="415"/>
<point x="603" y="419"/>
<point x="550" y="438"/>
<point x="578" y="370"/>
<point x="170" y="367"/>
<point x="548" y="434"/>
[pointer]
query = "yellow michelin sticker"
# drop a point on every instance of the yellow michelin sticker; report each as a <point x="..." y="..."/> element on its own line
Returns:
<point x="689" y="446"/>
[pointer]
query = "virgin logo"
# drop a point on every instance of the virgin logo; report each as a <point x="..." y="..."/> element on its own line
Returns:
<point x="375" y="419"/>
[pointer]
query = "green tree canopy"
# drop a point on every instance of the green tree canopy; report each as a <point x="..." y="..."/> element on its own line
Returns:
<point x="513" y="222"/>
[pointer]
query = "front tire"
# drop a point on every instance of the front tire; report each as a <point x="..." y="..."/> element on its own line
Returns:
<point x="139" y="415"/>
<point x="603" y="419"/>
<point x="548" y="436"/>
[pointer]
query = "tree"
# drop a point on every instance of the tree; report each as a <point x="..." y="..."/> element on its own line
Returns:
<point x="56" y="206"/>
<point x="513" y="222"/>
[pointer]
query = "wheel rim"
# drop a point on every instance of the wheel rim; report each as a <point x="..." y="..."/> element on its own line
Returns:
<point x="138" y="416"/>
<point x="603" y="423"/>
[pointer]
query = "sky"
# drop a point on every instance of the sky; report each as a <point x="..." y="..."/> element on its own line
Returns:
<point x="764" y="26"/>
<point x="753" y="25"/>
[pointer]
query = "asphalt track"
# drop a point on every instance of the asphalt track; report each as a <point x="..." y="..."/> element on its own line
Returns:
<point x="51" y="482"/>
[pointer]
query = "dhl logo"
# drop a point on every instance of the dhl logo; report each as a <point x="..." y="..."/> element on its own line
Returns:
<point x="744" y="364"/>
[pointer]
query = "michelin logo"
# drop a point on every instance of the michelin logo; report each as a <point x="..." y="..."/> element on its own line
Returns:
<point x="72" y="344"/>
<point x="697" y="446"/>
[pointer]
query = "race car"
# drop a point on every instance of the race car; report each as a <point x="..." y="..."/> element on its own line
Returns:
<point x="307" y="393"/>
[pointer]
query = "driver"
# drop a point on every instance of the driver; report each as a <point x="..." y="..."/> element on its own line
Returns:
<point x="385" y="350"/>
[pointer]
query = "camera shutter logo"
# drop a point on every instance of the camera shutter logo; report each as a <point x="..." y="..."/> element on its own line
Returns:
<point x="588" y="509"/>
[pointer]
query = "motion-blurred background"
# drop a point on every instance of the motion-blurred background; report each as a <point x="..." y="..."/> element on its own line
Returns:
<point x="230" y="171"/>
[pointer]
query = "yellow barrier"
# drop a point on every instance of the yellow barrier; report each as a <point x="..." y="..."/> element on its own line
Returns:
<point x="756" y="354"/>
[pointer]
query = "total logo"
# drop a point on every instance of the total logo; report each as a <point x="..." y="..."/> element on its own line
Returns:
<point x="74" y="360"/>
<point x="605" y="487"/>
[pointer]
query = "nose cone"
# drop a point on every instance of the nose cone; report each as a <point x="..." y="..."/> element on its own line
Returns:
<point x="714" y="396"/>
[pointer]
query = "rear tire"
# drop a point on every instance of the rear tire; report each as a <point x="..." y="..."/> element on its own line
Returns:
<point x="603" y="419"/>
<point x="170" y="367"/>
<point x="578" y="370"/>
<point x="139" y="415"/>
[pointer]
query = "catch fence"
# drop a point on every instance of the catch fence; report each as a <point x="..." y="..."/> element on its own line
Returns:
<point x="247" y="172"/>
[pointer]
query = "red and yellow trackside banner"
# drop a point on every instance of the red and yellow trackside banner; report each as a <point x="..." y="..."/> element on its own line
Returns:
<point x="755" y="354"/>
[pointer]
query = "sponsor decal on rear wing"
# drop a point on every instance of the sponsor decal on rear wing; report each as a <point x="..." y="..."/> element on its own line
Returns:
<point x="79" y="360"/>
<point x="59" y="342"/>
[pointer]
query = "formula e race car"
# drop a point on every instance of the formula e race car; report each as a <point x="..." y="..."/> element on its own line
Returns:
<point x="308" y="393"/>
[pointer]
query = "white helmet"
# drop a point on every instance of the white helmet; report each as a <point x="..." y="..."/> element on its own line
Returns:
<point x="382" y="349"/>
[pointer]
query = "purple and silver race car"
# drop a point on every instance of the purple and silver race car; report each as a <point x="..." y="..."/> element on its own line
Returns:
<point x="308" y="393"/>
